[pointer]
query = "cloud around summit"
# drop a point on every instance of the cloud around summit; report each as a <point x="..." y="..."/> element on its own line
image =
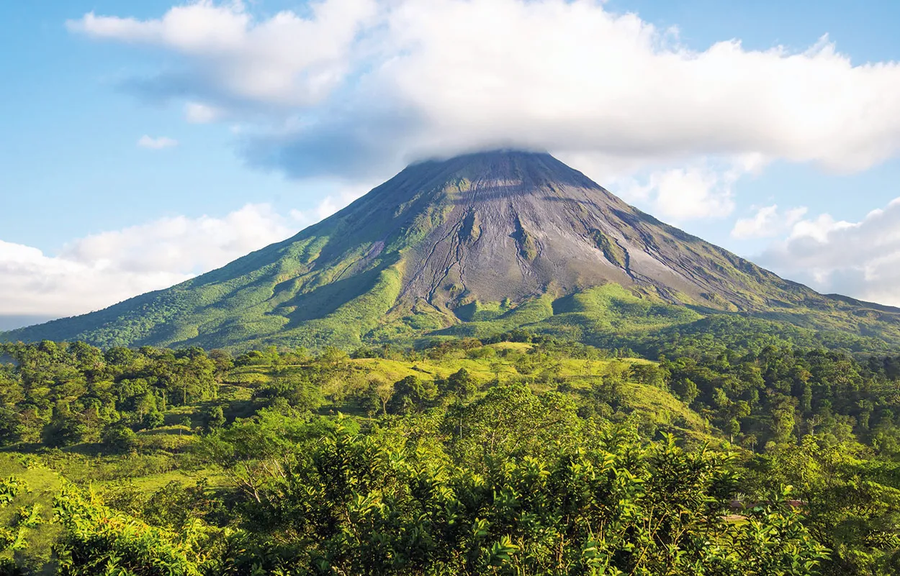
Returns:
<point x="385" y="81"/>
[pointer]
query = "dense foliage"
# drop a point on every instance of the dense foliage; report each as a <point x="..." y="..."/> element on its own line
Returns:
<point x="510" y="455"/>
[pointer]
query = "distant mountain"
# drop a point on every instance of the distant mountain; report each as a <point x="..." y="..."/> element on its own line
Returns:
<point x="476" y="244"/>
<point x="10" y="322"/>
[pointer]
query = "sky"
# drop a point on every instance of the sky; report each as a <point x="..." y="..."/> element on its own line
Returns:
<point x="143" y="143"/>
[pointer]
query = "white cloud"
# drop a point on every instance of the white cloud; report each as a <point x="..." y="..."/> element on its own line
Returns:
<point x="330" y="204"/>
<point x="768" y="222"/>
<point x="362" y="85"/>
<point x="818" y="229"/>
<point x="685" y="193"/>
<point x="334" y="202"/>
<point x="32" y="283"/>
<point x="156" y="143"/>
<point x="860" y="259"/>
<point x="197" y="113"/>
<point x="285" y="60"/>
<point x="102" y="269"/>
<point x="698" y="190"/>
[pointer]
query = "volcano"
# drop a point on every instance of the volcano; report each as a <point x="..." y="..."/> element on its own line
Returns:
<point x="475" y="244"/>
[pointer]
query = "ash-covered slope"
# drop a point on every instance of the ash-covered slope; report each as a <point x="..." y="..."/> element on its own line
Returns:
<point x="515" y="225"/>
<point x="474" y="238"/>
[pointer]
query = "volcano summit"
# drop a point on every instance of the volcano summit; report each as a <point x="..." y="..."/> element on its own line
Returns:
<point x="476" y="244"/>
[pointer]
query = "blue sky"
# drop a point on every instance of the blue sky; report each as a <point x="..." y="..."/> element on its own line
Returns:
<point x="69" y="164"/>
<point x="277" y="113"/>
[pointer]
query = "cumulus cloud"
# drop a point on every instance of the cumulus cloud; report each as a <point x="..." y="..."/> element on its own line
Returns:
<point x="768" y="222"/>
<point x="283" y="60"/>
<point x="860" y="259"/>
<point x="101" y="269"/>
<point x="156" y="143"/>
<point x="198" y="113"/>
<point x="356" y="87"/>
<point x="697" y="190"/>
<point x="32" y="283"/>
<point x="330" y="204"/>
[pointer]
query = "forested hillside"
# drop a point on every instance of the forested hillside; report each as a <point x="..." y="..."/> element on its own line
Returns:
<point x="514" y="454"/>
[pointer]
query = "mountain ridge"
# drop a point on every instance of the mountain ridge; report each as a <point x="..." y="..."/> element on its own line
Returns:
<point x="447" y="242"/>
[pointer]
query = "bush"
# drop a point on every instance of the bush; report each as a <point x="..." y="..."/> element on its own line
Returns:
<point x="153" y="419"/>
<point x="64" y="431"/>
<point x="119" y="438"/>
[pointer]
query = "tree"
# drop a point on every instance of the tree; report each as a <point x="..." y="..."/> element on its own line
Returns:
<point x="98" y="540"/>
<point x="119" y="438"/>
<point x="333" y="355"/>
<point x="733" y="428"/>
<point x="686" y="390"/>
<point x="374" y="397"/>
<point x="462" y="384"/>
<point x="222" y="361"/>
<point x="301" y="394"/>
<point x="411" y="394"/>
<point x="510" y="419"/>
<point x="11" y="427"/>
<point x="782" y="422"/>
<point x="64" y="430"/>
<point x="650" y="375"/>
<point x="848" y="503"/>
<point x="214" y="418"/>
<point x="609" y="389"/>
<point x="153" y="419"/>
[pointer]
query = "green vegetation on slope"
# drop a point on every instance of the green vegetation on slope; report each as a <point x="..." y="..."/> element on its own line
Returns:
<point x="472" y="246"/>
